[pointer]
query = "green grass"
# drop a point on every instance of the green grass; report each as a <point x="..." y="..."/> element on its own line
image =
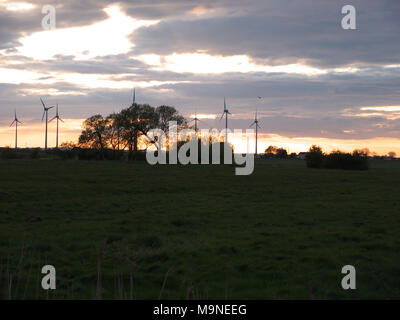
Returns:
<point x="282" y="233"/>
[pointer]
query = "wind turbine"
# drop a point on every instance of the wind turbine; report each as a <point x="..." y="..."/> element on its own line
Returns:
<point x="195" y="119"/>
<point x="225" y="113"/>
<point x="45" y="112"/>
<point x="257" y="126"/>
<point x="16" y="121"/>
<point x="58" y="119"/>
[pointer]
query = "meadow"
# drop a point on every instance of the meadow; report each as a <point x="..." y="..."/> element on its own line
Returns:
<point x="127" y="230"/>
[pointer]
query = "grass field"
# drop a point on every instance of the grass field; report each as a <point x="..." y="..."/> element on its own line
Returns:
<point x="119" y="230"/>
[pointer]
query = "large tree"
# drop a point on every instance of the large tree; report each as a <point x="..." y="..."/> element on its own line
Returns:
<point x="136" y="121"/>
<point x="113" y="130"/>
<point x="165" y="114"/>
<point x="94" y="133"/>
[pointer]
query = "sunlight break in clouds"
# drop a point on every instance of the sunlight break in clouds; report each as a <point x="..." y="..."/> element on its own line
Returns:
<point x="204" y="116"/>
<point x="17" y="6"/>
<point x="387" y="112"/>
<point x="108" y="37"/>
<point x="384" y="109"/>
<point x="203" y="63"/>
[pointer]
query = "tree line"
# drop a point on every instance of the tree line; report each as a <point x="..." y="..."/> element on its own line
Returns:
<point x="124" y="130"/>
<point x="356" y="160"/>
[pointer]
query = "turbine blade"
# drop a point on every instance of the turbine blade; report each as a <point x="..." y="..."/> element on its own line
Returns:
<point x="12" y="123"/>
<point x="252" y="124"/>
<point x="222" y="116"/>
<point x="42" y="103"/>
<point x="61" y="119"/>
<point x="44" y="112"/>
<point x="52" y="119"/>
<point x="259" y="126"/>
<point x="50" y="108"/>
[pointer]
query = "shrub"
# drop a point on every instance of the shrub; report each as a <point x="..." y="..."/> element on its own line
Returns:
<point x="8" y="153"/>
<point x="65" y="154"/>
<point x="358" y="160"/>
<point x="314" y="157"/>
<point x="88" y="154"/>
<point x="346" y="161"/>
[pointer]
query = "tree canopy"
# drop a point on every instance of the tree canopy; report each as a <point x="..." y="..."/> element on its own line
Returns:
<point x="123" y="130"/>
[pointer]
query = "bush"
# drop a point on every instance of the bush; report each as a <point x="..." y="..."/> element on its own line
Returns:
<point x="358" y="160"/>
<point x="8" y="153"/>
<point x="314" y="157"/>
<point x="65" y="154"/>
<point x="346" y="161"/>
<point x="89" y="154"/>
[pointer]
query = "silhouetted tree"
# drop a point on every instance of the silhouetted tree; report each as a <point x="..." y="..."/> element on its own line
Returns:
<point x="392" y="154"/>
<point x="113" y="130"/>
<point x="136" y="121"/>
<point x="94" y="133"/>
<point x="165" y="114"/>
<point x="314" y="157"/>
<point x="281" y="153"/>
<point x="68" y="145"/>
<point x="271" y="150"/>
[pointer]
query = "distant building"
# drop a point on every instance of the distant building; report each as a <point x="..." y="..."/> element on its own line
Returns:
<point x="302" y="155"/>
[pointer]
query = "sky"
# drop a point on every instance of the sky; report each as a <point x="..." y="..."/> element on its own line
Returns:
<point x="317" y="83"/>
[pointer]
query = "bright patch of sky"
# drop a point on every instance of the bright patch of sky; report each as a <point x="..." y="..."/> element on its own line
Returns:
<point x="16" y="6"/>
<point x="108" y="37"/>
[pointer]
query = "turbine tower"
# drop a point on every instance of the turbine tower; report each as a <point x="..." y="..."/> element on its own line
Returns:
<point x="58" y="119"/>
<point x="257" y="126"/>
<point x="16" y="121"/>
<point x="225" y="113"/>
<point x="45" y="112"/>
<point x="195" y="119"/>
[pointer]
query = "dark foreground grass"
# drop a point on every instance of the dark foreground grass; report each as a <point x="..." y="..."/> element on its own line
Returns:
<point x="129" y="230"/>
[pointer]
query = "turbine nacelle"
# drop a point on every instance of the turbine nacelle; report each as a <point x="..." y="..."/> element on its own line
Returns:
<point x="45" y="109"/>
<point x="57" y="116"/>
<point x="255" y="121"/>
<point x="225" y="112"/>
<point x="15" y="119"/>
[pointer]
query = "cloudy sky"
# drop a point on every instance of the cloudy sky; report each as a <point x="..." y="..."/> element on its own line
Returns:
<point x="319" y="83"/>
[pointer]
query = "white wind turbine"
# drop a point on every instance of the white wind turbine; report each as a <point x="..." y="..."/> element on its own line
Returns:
<point x="257" y="126"/>
<point x="196" y="120"/>
<point x="16" y="121"/>
<point x="225" y="113"/>
<point x="58" y="119"/>
<point x="45" y="112"/>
